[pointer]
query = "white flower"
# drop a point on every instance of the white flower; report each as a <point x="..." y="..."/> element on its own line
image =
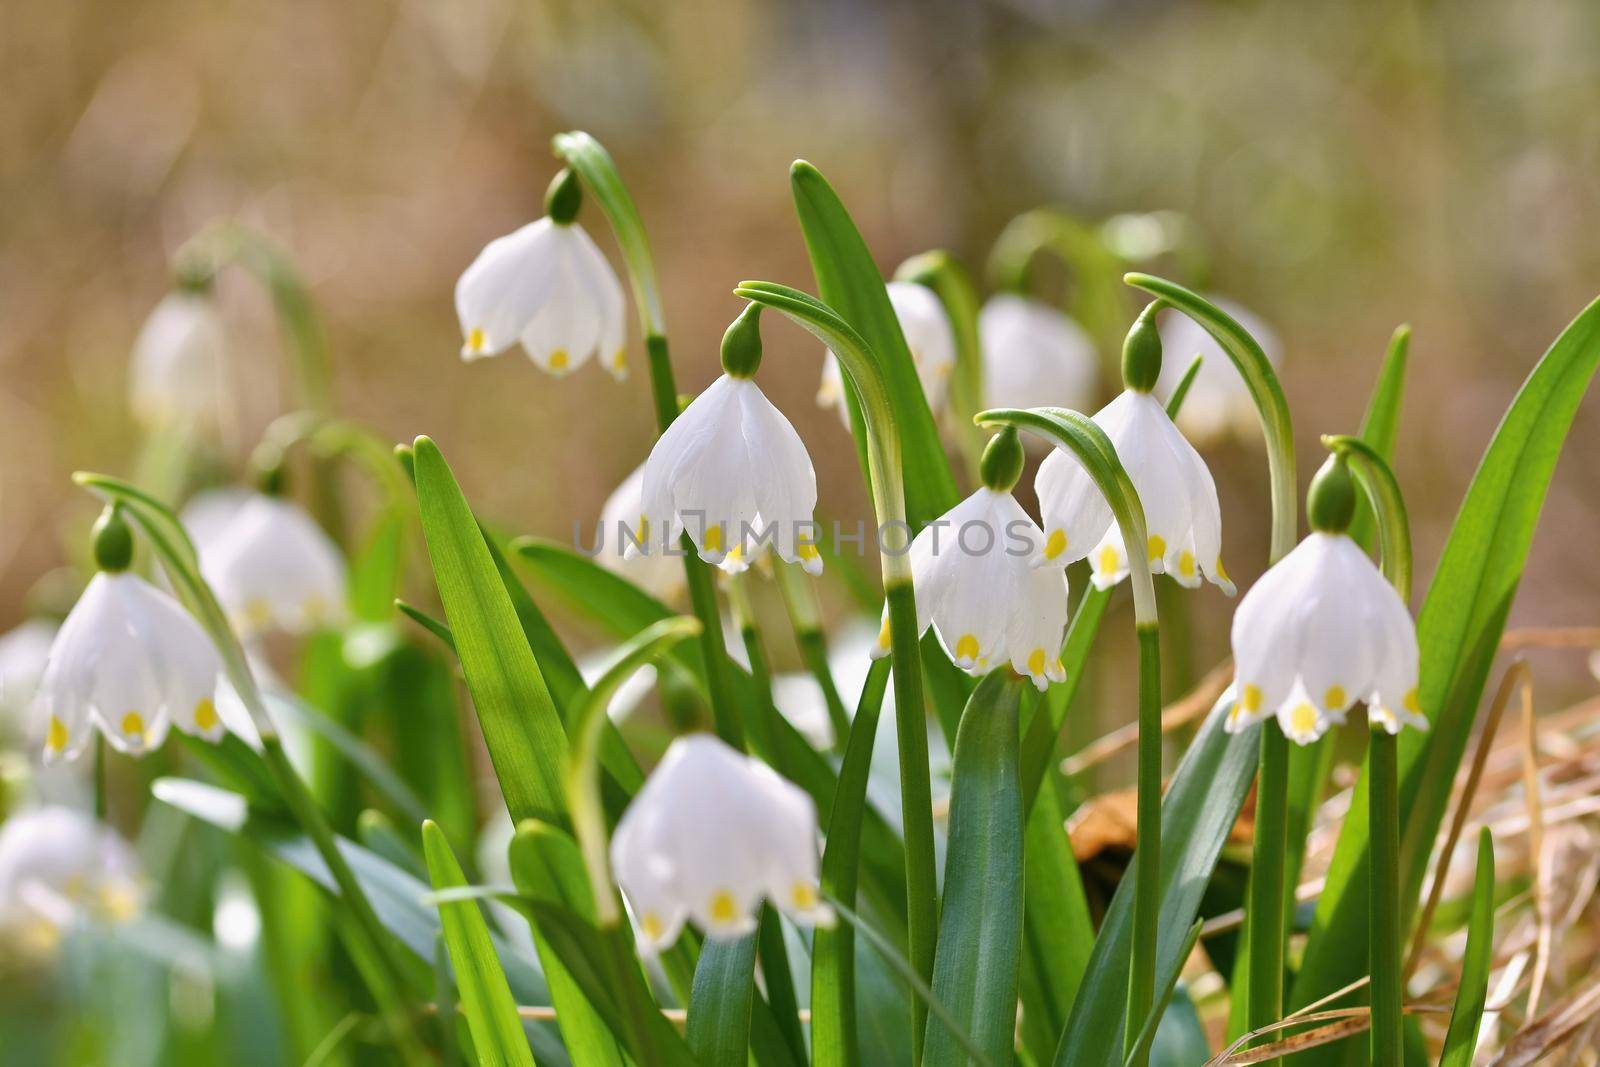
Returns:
<point x="268" y="562"/>
<point x="1321" y="630"/>
<point x="548" y="286"/>
<point x="980" y="582"/>
<point x="1218" y="401"/>
<point x="23" y="652"/>
<point x="929" y="337"/>
<point x="712" y="833"/>
<point x="176" y="371"/>
<point x="1035" y="356"/>
<point x="130" y="661"/>
<point x="656" y="570"/>
<point x="733" y="474"/>
<point x="57" y="864"/>
<point x="1182" y="517"/>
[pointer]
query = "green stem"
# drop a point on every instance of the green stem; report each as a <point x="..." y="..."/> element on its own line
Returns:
<point x="1384" y="831"/>
<point x="760" y="717"/>
<point x="1147" y="852"/>
<point x="1265" y="917"/>
<point x="800" y="600"/>
<point x="916" y="798"/>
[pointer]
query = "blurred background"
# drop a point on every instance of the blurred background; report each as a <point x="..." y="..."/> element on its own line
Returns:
<point x="1342" y="169"/>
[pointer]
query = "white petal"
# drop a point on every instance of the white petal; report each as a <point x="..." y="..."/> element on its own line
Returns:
<point x="1034" y="356"/>
<point x="1076" y="515"/>
<point x="928" y="335"/>
<point x="1265" y="642"/>
<point x="504" y="288"/>
<point x="272" y="565"/>
<point x="623" y="525"/>
<point x="779" y="469"/>
<point x="1218" y="401"/>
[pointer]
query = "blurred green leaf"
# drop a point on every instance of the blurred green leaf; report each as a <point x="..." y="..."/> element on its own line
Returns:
<point x="485" y="996"/>
<point x="980" y="935"/>
<point x="718" y="1028"/>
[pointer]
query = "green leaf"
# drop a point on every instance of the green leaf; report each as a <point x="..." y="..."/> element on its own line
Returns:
<point x="1057" y="927"/>
<point x="719" y="1009"/>
<point x="1458" y="632"/>
<point x="623" y="610"/>
<point x="395" y="894"/>
<point x="980" y="936"/>
<point x="1201" y="805"/>
<point x="1462" y="1039"/>
<point x="849" y="282"/>
<point x="485" y="996"/>
<point x="545" y="864"/>
<point x="1380" y="427"/>
<point x="1147" y="1033"/>
<point x="521" y="726"/>
<point x="834" y="1028"/>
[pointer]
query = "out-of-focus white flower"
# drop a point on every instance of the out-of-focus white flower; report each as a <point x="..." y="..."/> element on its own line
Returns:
<point x="130" y="661"/>
<point x="23" y="652"/>
<point x="57" y="866"/>
<point x="268" y="562"/>
<point x="981" y="583"/>
<point x="733" y="474"/>
<point x="1035" y="356"/>
<point x="1321" y="630"/>
<point x="799" y="699"/>
<point x="929" y="337"/>
<point x="710" y="835"/>
<point x="656" y="571"/>
<point x="1218" y="402"/>
<point x="176" y="372"/>
<point x="1174" y="484"/>
<point x="548" y="286"/>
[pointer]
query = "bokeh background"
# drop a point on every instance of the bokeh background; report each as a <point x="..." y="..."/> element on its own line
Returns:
<point x="1347" y="167"/>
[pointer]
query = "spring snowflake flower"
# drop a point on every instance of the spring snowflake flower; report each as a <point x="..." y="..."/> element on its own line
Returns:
<point x="57" y="865"/>
<point x="23" y="652"/>
<point x="548" y="286"/>
<point x="1035" y="356"/>
<point x="268" y="561"/>
<point x="1218" y="402"/>
<point x="176" y="370"/>
<point x="655" y="570"/>
<point x="981" y="582"/>
<point x="733" y="474"/>
<point x="1321" y="630"/>
<point x="128" y="660"/>
<point x="710" y="835"/>
<point x="929" y="337"/>
<point x="1181" y="512"/>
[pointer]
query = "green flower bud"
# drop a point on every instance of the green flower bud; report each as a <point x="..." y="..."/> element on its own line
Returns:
<point x="564" y="197"/>
<point x="1141" y="351"/>
<point x="1001" y="464"/>
<point x="741" y="345"/>
<point x="113" y="540"/>
<point x="1331" y="500"/>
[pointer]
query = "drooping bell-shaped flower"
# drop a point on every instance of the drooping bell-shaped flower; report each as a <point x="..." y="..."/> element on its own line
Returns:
<point x="981" y="582"/>
<point x="1182" y="516"/>
<point x="548" y="286"/>
<point x="655" y="568"/>
<point x="929" y="337"/>
<point x="731" y="471"/>
<point x="23" y="653"/>
<point x="1323" y="629"/>
<point x="128" y="660"/>
<point x="58" y="865"/>
<point x="1218" y="402"/>
<point x="268" y="562"/>
<point x="713" y="833"/>
<point x="1035" y="356"/>
<point x="176" y="370"/>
